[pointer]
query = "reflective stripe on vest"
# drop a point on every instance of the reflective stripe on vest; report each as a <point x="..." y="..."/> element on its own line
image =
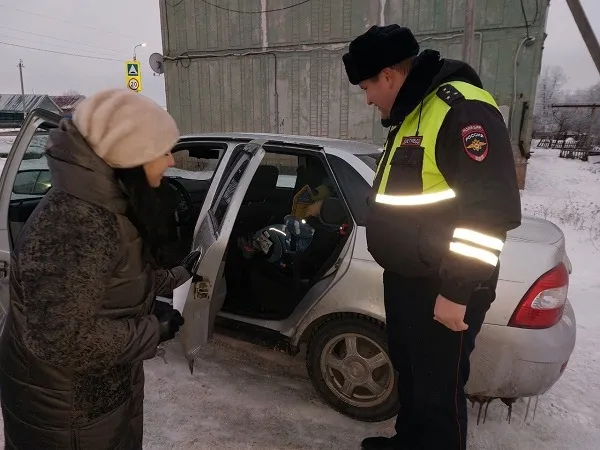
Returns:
<point x="427" y="119"/>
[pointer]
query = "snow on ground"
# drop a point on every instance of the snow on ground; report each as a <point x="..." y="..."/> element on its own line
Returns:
<point x="566" y="192"/>
<point x="242" y="396"/>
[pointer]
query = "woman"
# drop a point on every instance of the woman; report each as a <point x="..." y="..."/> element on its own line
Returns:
<point x="83" y="282"/>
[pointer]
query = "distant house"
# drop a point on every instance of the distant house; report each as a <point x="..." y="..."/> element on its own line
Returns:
<point x="13" y="107"/>
<point x="67" y="103"/>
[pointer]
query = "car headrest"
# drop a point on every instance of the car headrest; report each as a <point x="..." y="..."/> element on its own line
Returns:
<point x="263" y="183"/>
<point x="333" y="211"/>
<point x="313" y="176"/>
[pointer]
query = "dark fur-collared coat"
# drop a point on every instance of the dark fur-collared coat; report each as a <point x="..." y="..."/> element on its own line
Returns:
<point x="80" y="322"/>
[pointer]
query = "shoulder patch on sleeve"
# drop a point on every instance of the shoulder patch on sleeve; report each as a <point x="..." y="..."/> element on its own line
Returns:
<point x="475" y="142"/>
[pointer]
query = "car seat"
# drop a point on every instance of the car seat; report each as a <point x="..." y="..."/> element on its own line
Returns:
<point x="255" y="212"/>
<point x="329" y="230"/>
<point x="313" y="176"/>
<point x="286" y="284"/>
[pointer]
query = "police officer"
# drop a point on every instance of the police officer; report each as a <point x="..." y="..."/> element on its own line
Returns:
<point x="445" y="194"/>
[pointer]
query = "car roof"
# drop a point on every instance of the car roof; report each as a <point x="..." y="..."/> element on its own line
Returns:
<point x="350" y="146"/>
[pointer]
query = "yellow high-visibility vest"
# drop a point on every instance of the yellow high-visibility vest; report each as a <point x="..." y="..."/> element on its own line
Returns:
<point x="420" y="129"/>
<point x="402" y="185"/>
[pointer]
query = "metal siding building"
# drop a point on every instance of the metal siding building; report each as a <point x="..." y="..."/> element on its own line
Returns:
<point x="13" y="107"/>
<point x="296" y="83"/>
<point x="14" y="103"/>
<point x="67" y="103"/>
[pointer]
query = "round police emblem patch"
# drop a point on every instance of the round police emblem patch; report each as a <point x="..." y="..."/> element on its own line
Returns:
<point x="475" y="142"/>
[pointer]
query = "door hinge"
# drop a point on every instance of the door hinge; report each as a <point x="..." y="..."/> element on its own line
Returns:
<point x="201" y="289"/>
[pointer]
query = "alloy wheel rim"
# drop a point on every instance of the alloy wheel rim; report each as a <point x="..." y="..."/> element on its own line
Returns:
<point x="357" y="370"/>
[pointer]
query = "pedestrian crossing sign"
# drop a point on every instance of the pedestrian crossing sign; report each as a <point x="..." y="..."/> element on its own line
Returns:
<point x="133" y="75"/>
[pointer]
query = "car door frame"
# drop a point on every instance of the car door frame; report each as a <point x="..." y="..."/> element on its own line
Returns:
<point x="233" y="144"/>
<point x="37" y="118"/>
<point x="293" y="325"/>
<point x="205" y="293"/>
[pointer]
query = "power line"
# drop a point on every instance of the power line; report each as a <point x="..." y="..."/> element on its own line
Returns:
<point x="60" y="53"/>
<point x="59" y="39"/>
<point x="252" y="12"/>
<point x="537" y="10"/>
<point x="525" y="17"/>
<point x="66" y="22"/>
<point x="51" y="45"/>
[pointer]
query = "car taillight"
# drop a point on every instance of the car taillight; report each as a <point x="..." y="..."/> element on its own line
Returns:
<point x="543" y="304"/>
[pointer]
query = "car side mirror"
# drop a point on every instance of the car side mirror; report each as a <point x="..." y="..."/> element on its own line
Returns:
<point x="32" y="182"/>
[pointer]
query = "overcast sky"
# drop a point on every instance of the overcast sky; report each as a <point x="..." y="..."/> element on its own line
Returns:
<point x="111" y="28"/>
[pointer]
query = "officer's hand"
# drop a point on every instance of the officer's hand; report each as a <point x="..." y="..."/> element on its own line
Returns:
<point x="450" y="314"/>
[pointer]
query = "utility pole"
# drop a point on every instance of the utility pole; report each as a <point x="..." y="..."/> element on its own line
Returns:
<point x="22" y="86"/>
<point x="469" y="34"/>
<point x="587" y="33"/>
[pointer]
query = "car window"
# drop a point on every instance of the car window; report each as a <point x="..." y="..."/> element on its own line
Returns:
<point x="25" y="182"/>
<point x="287" y="166"/>
<point x="43" y="182"/>
<point x="33" y="169"/>
<point x="370" y="160"/>
<point x="227" y="188"/>
<point x="197" y="162"/>
<point x="355" y="188"/>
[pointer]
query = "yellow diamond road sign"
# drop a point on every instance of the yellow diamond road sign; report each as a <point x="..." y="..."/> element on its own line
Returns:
<point x="133" y="75"/>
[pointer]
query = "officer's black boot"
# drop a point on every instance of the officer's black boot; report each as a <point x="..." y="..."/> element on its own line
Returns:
<point x="382" y="443"/>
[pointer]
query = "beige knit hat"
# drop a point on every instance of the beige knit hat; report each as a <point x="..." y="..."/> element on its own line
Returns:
<point x="125" y="128"/>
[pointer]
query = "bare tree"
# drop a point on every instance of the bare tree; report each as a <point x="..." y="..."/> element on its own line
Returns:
<point x="594" y="116"/>
<point x="549" y="91"/>
<point x="585" y="120"/>
<point x="560" y="121"/>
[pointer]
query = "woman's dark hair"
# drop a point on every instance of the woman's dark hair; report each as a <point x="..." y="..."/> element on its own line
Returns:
<point x="148" y="211"/>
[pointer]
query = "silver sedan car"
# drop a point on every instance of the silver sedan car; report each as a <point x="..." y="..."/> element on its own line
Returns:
<point x="311" y="282"/>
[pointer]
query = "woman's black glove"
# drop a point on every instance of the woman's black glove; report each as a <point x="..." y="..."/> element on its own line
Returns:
<point x="169" y="321"/>
<point x="190" y="260"/>
<point x="161" y="308"/>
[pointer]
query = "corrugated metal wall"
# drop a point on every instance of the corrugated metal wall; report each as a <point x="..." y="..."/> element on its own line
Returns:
<point x="298" y="84"/>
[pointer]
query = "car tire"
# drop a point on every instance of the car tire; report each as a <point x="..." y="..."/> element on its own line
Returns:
<point x="348" y="363"/>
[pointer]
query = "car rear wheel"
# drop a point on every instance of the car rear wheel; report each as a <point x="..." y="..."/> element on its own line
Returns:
<point x="348" y="363"/>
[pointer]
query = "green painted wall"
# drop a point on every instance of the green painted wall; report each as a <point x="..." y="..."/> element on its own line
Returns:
<point x="300" y="87"/>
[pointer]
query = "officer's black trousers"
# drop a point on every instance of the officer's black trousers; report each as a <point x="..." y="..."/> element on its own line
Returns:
<point x="432" y="361"/>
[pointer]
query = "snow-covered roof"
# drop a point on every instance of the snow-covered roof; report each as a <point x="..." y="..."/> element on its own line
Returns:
<point x="67" y="102"/>
<point x="14" y="102"/>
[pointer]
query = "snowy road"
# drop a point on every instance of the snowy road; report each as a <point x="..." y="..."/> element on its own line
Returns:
<point x="246" y="397"/>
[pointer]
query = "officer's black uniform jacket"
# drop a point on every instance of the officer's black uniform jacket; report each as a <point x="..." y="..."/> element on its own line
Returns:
<point x="414" y="241"/>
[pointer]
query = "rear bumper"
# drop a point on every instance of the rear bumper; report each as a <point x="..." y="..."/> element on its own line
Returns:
<point x="515" y="362"/>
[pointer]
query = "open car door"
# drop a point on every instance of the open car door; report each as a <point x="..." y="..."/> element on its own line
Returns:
<point x="202" y="297"/>
<point x="27" y="151"/>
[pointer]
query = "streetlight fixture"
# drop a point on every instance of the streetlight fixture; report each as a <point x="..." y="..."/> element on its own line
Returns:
<point x="143" y="44"/>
